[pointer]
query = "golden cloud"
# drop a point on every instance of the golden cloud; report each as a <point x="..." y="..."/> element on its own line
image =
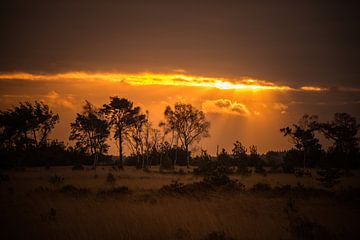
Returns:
<point x="54" y="98"/>
<point x="179" y="78"/>
<point x="225" y="106"/>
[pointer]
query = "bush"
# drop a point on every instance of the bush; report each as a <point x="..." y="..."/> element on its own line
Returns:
<point x="116" y="191"/>
<point x="56" y="180"/>
<point x="174" y="187"/>
<point x="329" y="177"/>
<point x="218" y="236"/>
<point x="110" y="178"/>
<point x="261" y="187"/>
<point x="75" y="191"/>
<point x="243" y="170"/>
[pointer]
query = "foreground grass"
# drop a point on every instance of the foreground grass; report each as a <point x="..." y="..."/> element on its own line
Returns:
<point x="32" y="207"/>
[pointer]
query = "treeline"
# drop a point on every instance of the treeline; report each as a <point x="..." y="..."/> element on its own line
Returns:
<point x="25" y="129"/>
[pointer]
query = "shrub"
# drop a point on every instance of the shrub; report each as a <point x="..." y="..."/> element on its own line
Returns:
<point x="70" y="189"/>
<point x="56" y="180"/>
<point x="174" y="187"/>
<point x="261" y="187"/>
<point x="110" y="178"/>
<point x="217" y="177"/>
<point x="115" y="191"/>
<point x="220" y="235"/>
<point x="182" y="234"/>
<point x="329" y="177"/>
<point x="243" y="170"/>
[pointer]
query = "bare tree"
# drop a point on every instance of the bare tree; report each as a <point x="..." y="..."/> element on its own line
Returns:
<point x="189" y="124"/>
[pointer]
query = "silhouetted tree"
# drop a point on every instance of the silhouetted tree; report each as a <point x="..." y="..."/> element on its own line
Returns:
<point x="343" y="132"/>
<point x="239" y="153"/>
<point x="121" y="115"/>
<point x="90" y="131"/>
<point x="302" y="135"/>
<point x="188" y="123"/>
<point x="26" y="125"/>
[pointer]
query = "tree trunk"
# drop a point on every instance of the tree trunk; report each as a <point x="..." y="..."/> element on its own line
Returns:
<point x="120" y="151"/>
<point x="187" y="156"/>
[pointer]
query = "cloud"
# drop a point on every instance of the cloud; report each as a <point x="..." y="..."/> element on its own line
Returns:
<point x="313" y="89"/>
<point x="54" y="98"/>
<point x="280" y="107"/>
<point x="146" y="79"/>
<point x="225" y="106"/>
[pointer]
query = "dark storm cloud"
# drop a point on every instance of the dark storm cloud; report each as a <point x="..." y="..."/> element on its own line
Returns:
<point x="303" y="42"/>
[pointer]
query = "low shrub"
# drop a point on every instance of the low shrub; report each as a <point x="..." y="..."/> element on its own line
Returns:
<point x="329" y="177"/>
<point x="56" y="180"/>
<point x="110" y="178"/>
<point x="75" y="191"/>
<point x="115" y="191"/>
<point x="218" y="235"/>
<point x="261" y="187"/>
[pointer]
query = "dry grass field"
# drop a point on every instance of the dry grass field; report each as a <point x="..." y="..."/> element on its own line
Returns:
<point x="37" y="205"/>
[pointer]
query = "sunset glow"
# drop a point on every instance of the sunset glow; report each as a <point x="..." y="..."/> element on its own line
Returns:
<point x="163" y="79"/>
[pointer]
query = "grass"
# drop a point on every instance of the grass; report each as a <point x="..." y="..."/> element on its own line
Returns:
<point x="35" y="209"/>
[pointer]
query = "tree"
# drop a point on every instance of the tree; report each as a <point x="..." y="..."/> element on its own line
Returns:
<point x="122" y="115"/>
<point x="343" y="132"/>
<point x="302" y="135"/>
<point x="138" y="137"/>
<point x="90" y="131"/>
<point x="188" y="123"/>
<point x="27" y="125"/>
<point x="239" y="153"/>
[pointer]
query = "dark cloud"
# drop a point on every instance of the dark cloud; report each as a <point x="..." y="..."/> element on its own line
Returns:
<point x="302" y="42"/>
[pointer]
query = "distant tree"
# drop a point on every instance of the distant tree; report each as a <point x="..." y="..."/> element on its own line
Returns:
<point x="239" y="153"/>
<point x="188" y="123"/>
<point x="90" y="131"/>
<point x="302" y="135"/>
<point x="122" y="115"/>
<point x="26" y="125"/>
<point x="342" y="131"/>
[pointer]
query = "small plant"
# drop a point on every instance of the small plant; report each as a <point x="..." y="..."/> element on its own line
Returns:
<point x="174" y="187"/>
<point x="182" y="233"/>
<point x="56" y="180"/>
<point x="329" y="177"/>
<point x="217" y="176"/>
<point x="115" y="191"/>
<point x="110" y="178"/>
<point x="243" y="170"/>
<point x="220" y="235"/>
<point x="261" y="187"/>
<point x="75" y="191"/>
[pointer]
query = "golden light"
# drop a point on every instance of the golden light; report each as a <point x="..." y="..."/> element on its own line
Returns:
<point x="139" y="79"/>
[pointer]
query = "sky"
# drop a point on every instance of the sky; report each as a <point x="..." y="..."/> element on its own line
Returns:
<point x="251" y="66"/>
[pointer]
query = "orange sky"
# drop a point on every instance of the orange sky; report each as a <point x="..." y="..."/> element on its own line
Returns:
<point x="244" y="109"/>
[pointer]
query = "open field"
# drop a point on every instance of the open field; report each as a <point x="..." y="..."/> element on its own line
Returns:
<point x="32" y="207"/>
